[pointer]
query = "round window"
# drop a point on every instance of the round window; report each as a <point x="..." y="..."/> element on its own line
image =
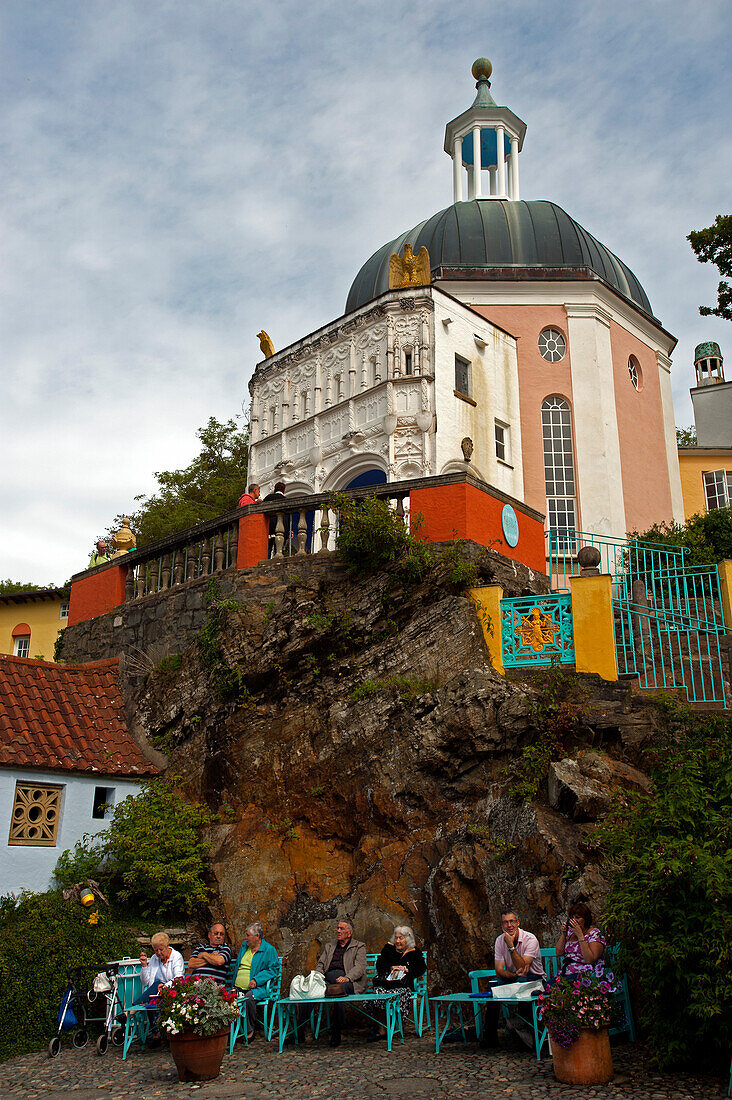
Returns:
<point x="552" y="345"/>
<point x="635" y="373"/>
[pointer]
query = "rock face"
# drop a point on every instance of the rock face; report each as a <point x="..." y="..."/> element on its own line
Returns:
<point x="356" y="739"/>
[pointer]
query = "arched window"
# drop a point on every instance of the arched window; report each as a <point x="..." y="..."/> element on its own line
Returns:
<point x="561" y="501"/>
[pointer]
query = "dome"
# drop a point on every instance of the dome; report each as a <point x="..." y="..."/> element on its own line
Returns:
<point x="484" y="234"/>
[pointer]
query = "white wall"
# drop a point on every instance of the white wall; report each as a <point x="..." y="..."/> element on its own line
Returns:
<point x="26" y="867"/>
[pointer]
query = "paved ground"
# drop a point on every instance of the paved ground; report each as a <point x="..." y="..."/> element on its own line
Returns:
<point x="356" y="1071"/>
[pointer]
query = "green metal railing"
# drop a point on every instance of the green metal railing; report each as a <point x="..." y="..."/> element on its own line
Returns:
<point x="668" y="615"/>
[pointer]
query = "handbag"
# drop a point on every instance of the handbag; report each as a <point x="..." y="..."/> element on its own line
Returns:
<point x="517" y="991"/>
<point x="307" y="987"/>
<point x="101" y="983"/>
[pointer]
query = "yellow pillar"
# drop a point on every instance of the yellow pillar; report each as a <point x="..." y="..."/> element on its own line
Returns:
<point x="487" y="601"/>
<point x="594" y="630"/>
<point x="725" y="583"/>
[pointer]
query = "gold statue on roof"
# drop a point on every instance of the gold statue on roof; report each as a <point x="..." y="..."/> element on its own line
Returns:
<point x="265" y="344"/>
<point x="409" y="270"/>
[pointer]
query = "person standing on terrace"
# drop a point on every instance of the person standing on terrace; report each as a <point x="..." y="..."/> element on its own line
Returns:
<point x="251" y="496"/>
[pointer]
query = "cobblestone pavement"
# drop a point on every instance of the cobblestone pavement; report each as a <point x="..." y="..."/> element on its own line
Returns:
<point x="356" y="1070"/>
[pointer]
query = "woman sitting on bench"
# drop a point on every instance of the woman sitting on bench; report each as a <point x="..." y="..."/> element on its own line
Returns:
<point x="397" y="967"/>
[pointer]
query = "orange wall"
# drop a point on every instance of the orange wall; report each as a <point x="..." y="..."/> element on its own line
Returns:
<point x="643" y="458"/>
<point x="537" y="380"/>
<point x="253" y="545"/>
<point x="97" y="594"/>
<point x="464" y="512"/>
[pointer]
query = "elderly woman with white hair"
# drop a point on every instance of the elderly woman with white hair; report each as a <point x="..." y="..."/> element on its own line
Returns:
<point x="165" y="964"/>
<point x="258" y="965"/>
<point x="397" y="968"/>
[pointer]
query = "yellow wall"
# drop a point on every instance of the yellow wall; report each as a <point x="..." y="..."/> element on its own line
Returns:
<point x="487" y="601"/>
<point x="693" y="463"/>
<point x="41" y="614"/>
<point x="594" y="630"/>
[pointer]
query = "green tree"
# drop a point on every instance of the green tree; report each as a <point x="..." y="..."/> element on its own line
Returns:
<point x="707" y="536"/>
<point x="686" y="437"/>
<point x="151" y="860"/>
<point x="8" y="586"/>
<point x="714" y="245"/>
<point x="210" y="486"/>
<point x="670" y="900"/>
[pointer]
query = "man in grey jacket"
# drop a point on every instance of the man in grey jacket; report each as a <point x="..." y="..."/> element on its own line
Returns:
<point x="343" y="964"/>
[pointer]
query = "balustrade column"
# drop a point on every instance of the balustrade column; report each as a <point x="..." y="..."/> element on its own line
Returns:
<point x="324" y="529"/>
<point x="302" y="533"/>
<point x="140" y="584"/>
<point x="165" y="575"/>
<point x="178" y="567"/>
<point x="219" y="551"/>
<point x="279" y="535"/>
<point x="233" y="544"/>
<point x="130" y="585"/>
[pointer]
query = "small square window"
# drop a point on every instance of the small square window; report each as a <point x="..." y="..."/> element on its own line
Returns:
<point x="103" y="802"/>
<point x="36" y="814"/>
<point x="462" y="375"/>
<point x="64" y="612"/>
<point x="717" y="486"/>
<point x="21" y="646"/>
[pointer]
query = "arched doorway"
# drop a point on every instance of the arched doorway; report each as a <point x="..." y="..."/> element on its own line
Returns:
<point x="368" y="477"/>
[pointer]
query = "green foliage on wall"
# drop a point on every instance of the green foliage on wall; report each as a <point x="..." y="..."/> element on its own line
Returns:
<point x="151" y="860"/>
<point x="670" y="902"/>
<point x="41" y="938"/>
<point x="708" y="537"/>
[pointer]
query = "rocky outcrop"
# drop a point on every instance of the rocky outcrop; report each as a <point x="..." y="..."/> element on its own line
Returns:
<point x="356" y="738"/>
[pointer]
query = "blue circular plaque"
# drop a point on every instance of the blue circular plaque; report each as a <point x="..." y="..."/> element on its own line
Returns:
<point x="509" y="523"/>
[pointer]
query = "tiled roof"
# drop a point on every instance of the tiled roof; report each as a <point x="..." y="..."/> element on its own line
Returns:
<point x="68" y="717"/>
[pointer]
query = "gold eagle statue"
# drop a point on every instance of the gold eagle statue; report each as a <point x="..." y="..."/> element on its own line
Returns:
<point x="265" y="344"/>
<point x="409" y="270"/>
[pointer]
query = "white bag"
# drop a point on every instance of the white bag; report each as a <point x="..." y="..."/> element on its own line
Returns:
<point x="307" y="988"/>
<point x="102" y="983"/>
<point x="516" y="991"/>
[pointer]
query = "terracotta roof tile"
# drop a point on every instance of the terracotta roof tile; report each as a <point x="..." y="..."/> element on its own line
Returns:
<point x="68" y="717"/>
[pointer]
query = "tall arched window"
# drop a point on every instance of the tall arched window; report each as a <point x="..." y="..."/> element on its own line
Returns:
<point x="561" y="501"/>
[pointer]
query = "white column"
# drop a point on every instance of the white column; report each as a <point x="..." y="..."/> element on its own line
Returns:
<point x="477" y="186"/>
<point x="492" y="174"/>
<point x="514" y="169"/>
<point x="501" y="162"/>
<point x="669" y="425"/>
<point x="457" y="170"/>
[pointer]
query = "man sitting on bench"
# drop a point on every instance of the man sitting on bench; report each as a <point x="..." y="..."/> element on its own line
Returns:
<point x="343" y="964"/>
<point x="518" y="959"/>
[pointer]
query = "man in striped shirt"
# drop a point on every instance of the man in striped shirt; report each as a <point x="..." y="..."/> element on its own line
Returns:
<point x="212" y="959"/>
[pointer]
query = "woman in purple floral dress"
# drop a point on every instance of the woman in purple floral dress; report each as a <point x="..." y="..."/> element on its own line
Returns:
<point x="581" y="942"/>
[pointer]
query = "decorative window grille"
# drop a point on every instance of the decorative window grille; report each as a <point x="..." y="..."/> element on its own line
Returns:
<point x="552" y="345"/>
<point x="462" y="375"/>
<point x="36" y="814"/>
<point x="556" y="424"/>
<point x="717" y="489"/>
<point x="21" y="647"/>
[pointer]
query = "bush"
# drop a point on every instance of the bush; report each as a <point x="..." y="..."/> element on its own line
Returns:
<point x="41" y="938"/>
<point x="670" y="901"/>
<point x="371" y="535"/>
<point x="707" y="537"/>
<point x="151" y="859"/>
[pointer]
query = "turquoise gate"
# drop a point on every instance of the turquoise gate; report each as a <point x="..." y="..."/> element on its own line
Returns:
<point x="537" y="630"/>
<point x="668" y="615"/>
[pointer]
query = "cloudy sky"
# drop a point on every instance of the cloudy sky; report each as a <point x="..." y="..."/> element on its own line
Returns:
<point x="176" y="176"/>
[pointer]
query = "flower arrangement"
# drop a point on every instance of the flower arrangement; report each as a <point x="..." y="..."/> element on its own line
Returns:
<point x="581" y="1000"/>
<point x="199" y="1005"/>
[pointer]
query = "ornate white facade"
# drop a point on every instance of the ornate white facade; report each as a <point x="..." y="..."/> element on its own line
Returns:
<point x="376" y="391"/>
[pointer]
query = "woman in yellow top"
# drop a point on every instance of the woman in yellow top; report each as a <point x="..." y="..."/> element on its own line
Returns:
<point x="258" y="966"/>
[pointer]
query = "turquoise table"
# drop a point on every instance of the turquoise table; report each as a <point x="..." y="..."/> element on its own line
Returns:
<point x="287" y="1013"/>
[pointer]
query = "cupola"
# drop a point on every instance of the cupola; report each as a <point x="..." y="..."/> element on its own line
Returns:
<point x="708" y="364"/>
<point x="485" y="139"/>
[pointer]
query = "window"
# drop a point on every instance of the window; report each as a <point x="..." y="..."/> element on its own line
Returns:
<point x="36" y="814"/>
<point x="552" y="345"/>
<point x="502" y="437"/>
<point x="556" y="423"/>
<point x="718" y="489"/>
<point x="64" y="612"/>
<point x="634" y="370"/>
<point x="103" y="806"/>
<point x="21" y="647"/>
<point x="407" y="362"/>
<point x="462" y="375"/>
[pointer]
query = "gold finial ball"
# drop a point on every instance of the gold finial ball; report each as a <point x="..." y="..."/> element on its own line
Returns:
<point x="482" y="69"/>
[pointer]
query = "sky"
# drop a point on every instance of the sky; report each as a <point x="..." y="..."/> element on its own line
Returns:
<point x="176" y="176"/>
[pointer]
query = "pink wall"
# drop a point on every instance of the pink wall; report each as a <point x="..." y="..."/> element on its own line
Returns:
<point x="537" y="380"/>
<point x="643" y="458"/>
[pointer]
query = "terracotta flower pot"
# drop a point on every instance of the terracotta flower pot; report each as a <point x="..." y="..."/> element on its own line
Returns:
<point x="198" y="1057"/>
<point x="587" y="1062"/>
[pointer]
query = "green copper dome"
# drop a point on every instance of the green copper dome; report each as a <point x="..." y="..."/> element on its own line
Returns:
<point x="707" y="350"/>
<point x="502" y="239"/>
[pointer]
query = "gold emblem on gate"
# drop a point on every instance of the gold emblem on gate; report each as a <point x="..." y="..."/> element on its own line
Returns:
<point x="537" y="630"/>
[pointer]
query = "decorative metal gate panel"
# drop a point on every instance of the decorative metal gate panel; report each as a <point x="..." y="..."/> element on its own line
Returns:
<point x="537" y="630"/>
